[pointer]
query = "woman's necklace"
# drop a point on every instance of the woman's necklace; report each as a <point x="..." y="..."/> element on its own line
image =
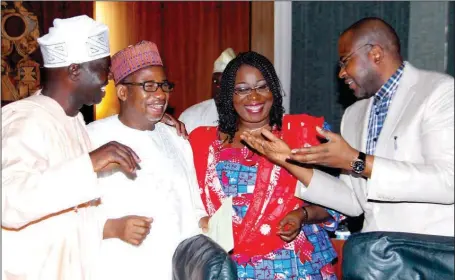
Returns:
<point x="256" y="129"/>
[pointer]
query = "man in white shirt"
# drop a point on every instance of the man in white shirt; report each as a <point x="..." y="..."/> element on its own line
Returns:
<point x="205" y="113"/>
<point x="51" y="229"/>
<point x="165" y="187"/>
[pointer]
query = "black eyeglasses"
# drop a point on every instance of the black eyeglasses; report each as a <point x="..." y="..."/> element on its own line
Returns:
<point x="344" y="61"/>
<point x="152" y="86"/>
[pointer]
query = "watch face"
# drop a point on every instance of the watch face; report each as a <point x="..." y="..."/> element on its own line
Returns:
<point x="358" y="166"/>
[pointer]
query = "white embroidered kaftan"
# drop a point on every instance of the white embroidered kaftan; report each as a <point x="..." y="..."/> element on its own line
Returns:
<point x="165" y="189"/>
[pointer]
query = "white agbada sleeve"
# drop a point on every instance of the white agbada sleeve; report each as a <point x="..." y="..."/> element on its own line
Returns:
<point x="33" y="187"/>
<point x="198" y="206"/>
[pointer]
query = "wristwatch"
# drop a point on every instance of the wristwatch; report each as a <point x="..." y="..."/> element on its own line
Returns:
<point x="358" y="165"/>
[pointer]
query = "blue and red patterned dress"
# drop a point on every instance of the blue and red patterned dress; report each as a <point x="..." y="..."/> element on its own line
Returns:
<point x="263" y="194"/>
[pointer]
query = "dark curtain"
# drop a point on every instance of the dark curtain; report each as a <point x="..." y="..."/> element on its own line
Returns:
<point x="194" y="35"/>
<point x="189" y="36"/>
<point x="450" y="39"/>
<point x="315" y="88"/>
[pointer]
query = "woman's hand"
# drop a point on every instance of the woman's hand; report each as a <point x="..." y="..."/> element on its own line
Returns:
<point x="291" y="224"/>
<point x="272" y="147"/>
<point x="204" y="224"/>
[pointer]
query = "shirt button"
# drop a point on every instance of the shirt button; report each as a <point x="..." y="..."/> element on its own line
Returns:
<point x="377" y="113"/>
<point x="375" y="139"/>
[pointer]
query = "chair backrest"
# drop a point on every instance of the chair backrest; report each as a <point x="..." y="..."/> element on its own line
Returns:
<point x="397" y="255"/>
<point x="200" y="258"/>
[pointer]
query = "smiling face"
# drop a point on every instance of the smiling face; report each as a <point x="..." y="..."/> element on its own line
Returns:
<point x="359" y="69"/>
<point x="254" y="108"/>
<point x="144" y="106"/>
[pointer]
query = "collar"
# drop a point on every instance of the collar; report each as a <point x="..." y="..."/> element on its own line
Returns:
<point x="388" y="87"/>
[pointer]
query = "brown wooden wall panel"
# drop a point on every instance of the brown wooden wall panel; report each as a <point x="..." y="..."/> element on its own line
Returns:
<point x="262" y="28"/>
<point x="190" y="45"/>
<point x="235" y="26"/>
<point x="189" y="35"/>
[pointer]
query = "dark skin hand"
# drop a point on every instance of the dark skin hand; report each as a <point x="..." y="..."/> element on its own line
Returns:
<point x="291" y="224"/>
<point x="113" y="154"/>
<point x="204" y="224"/>
<point x="335" y="153"/>
<point x="130" y="229"/>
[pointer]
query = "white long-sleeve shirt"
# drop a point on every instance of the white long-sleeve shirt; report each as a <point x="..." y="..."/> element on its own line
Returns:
<point x="201" y="114"/>
<point x="165" y="189"/>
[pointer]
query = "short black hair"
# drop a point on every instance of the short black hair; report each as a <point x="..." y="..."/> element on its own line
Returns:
<point x="376" y="30"/>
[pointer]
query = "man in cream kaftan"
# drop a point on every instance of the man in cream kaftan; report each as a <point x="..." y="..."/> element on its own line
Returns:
<point x="46" y="169"/>
<point x="50" y="227"/>
<point x="165" y="189"/>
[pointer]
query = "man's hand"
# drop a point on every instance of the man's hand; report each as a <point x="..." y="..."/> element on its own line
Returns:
<point x="275" y="149"/>
<point x="204" y="224"/>
<point x="179" y="126"/>
<point x="335" y="153"/>
<point x="291" y="224"/>
<point x="131" y="229"/>
<point x="113" y="153"/>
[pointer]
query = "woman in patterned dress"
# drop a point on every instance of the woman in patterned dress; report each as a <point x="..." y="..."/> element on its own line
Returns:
<point x="276" y="235"/>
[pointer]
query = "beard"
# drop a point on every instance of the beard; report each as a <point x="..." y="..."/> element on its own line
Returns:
<point x="368" y="85"/>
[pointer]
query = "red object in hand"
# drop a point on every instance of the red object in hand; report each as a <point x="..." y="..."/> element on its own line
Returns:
<point x="303" y="130"/>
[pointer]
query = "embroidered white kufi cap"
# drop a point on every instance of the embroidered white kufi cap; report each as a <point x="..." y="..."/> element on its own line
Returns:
<point x="74" y="40"/>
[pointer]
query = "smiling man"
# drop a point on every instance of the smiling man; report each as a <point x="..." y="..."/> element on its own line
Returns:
<point x="396" y="147"/>
<point x="396" y="152"/>
<point x="50" y="226"/>
<point x="163" y="197"/>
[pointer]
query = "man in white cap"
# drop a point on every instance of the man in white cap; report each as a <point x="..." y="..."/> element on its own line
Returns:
<point x="50" y="224"/>
<point x="204" y="113"/>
